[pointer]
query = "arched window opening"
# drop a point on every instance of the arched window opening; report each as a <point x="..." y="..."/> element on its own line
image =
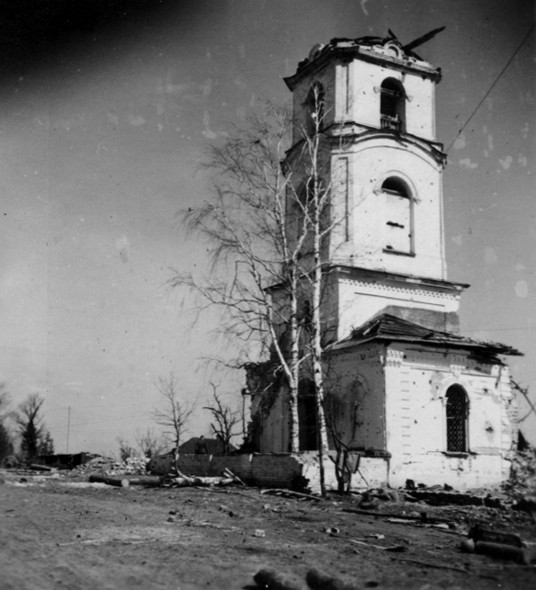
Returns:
<point x="307" y="416"/>
<point x="392" y="105"/>
<point x="457" y="411"/>
<point x="398" y="210"/>
<point x="315" y="109"/>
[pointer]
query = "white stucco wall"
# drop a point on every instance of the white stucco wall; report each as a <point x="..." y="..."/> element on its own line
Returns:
<point x="356" y="381"/>
<point x="274" y="424"/>
<point x="360" y="299"/>
<point x="416" y="382"/>
<point x="365" y="80"/>
<point x="391" y="400"/>
<point x="356" y="170"/>
<point x="369" y="164"/>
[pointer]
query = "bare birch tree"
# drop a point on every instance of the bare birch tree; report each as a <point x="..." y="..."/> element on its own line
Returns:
<point x="267" y="227"/>
<point x="175" y="414"/>
<point x="319" y="226"/>
<point x="248" y="231"/>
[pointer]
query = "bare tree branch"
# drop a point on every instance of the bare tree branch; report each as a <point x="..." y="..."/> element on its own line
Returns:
<point x="224" y="420"/>
<point x="176" y="413"/>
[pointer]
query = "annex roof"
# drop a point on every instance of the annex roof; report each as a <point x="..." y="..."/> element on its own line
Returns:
<point x="387" y="327"/>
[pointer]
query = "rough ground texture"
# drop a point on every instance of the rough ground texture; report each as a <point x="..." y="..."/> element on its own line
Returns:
<point x="64" y="533"/>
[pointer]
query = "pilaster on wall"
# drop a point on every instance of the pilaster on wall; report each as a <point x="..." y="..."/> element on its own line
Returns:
<point x="394" y="358"/>
<point x="406" y="413"/>
<point x="457" y="370"/>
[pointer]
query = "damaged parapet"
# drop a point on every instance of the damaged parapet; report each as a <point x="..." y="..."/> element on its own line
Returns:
<point x="374" y="49"/>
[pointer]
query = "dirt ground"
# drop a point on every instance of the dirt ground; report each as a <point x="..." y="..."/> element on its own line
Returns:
<point x="65" y="533"/>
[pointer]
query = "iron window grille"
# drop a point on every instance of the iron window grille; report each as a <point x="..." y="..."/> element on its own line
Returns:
<point x="457" y="412"/>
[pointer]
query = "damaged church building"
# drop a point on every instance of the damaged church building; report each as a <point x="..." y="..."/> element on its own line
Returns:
<point x="405" y="391"/>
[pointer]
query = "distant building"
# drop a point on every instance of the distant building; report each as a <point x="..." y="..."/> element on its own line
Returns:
<point x="214" y="446"/>
<point x="405" y="390"/>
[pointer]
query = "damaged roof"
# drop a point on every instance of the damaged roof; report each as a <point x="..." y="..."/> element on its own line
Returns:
<point x="384" y="50"/>
<point x="390" y="328"/>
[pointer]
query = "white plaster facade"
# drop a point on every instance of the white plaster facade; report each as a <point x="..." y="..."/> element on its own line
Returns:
<point x="358" y="297"/>
<point x="392" y="402"/>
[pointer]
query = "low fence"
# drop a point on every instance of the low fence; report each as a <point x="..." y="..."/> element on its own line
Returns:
<point x="293" y="471"/>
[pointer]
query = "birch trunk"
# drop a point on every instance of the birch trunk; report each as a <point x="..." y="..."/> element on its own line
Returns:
<point x="316" y="344"/>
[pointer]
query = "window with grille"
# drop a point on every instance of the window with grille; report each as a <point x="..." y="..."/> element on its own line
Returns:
<point x="457" y="409"/>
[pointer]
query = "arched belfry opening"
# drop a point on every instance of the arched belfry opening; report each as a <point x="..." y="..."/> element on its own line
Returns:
<point x="393" y="105"/>
<point x="457" y="412"/>
<point x="399" y="216"/>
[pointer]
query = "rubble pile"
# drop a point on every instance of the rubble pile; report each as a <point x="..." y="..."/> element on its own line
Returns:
<point x="523" y="474"/>
<point x="109" y="466"/>
<point x="521" y="486"/>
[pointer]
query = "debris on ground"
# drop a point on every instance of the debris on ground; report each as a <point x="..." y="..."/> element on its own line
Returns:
<point x="499" y="544"/>
<point x="109" y="466"/>
<point x="392" y="548"/>
<point x="522" y="479"/>
<point x="230" y="474"/>
<point x="270" y="579"/>
<point x="332" y="531"/>
<point x="291" y="494"/>
<point x="479" y="533"/>
<point x="111" y="481"/>
<point x="37" y="467"/>
<point x="186" y="481"/>
<point x="357" y="547"/>
<point x="319" y="581"/>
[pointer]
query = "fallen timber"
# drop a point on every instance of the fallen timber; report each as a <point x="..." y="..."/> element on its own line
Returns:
<point x="173" y="480"/>
<point x="111" y="481"/>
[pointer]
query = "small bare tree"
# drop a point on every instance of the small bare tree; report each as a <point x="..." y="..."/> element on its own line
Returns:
<point x="30" y="425"/>
<point x="149" y="443"/>
<point x="176" y="413"/>
<point x="4" y="402"/>
<point x="126" y="450"/>
<point x="224" y="420"/>
<point x="6" y="439"/>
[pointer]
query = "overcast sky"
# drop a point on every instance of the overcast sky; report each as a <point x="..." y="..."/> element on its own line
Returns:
<point x="105" y="110"/>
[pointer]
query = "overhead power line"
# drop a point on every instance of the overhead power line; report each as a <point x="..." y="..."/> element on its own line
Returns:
<point x="492" y="86"/>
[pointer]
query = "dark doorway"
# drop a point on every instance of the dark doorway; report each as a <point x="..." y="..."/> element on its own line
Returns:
<point x="307" y="416"/>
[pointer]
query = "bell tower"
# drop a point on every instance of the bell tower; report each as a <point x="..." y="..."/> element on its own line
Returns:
<point x="385" y="252"/>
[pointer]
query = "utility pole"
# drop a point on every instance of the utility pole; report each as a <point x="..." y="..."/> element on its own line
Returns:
<point x="68" y="425"/>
